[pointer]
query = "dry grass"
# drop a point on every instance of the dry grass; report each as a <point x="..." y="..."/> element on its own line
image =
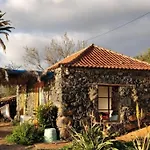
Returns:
<point x="133" y="135"/>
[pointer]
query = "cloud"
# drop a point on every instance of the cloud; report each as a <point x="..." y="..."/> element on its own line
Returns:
<point x="57" y="1"/>
<point x="74" y="16"/>
<point x="18" y="42"/>
<point x="37" y="21"/>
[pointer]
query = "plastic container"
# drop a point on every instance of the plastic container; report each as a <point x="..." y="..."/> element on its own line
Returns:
<point x="50" y="135"/>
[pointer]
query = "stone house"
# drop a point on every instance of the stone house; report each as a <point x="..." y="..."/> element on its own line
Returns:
<point x="93" y="81"/>
<point x="100" y="82"/>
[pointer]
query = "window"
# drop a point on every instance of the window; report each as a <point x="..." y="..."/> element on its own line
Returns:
<point x="108" y="102"/>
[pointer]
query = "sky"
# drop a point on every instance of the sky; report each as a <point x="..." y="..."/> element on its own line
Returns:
<point x="36" y="22"/>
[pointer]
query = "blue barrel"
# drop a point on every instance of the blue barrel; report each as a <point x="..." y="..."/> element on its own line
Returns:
<point x="50" y="135"/>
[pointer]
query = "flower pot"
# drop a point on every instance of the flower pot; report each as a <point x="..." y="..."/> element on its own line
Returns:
<point x="50" y="135"/>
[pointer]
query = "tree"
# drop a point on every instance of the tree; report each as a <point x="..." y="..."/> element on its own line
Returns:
<point x="56" y="51"/>
<point x="32" y="58"/>
<point x="5" y="28"/>
<point x="12" y="65"/>
<point x="144" y="56"/>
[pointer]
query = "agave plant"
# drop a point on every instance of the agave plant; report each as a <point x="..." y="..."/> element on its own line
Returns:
<point x="142" y="143"/>
<point x="93" y="138"/>
<point x="5" y="28"/>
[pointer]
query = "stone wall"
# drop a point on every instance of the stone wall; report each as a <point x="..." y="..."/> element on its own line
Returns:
<point x="75" y="90"/>
<point x="55" y="88"/>
<point x="76" y="83"/>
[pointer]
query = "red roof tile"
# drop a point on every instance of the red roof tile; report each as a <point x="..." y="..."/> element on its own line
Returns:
<point x="97" y="57"/>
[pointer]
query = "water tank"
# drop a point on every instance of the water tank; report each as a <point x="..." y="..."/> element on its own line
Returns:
<point x="50" y="135"/>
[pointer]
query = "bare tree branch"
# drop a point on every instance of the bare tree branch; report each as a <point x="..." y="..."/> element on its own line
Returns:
<point x="61" y="49"/>
<point x="13" y="65"/>
<point x="56" y="51"/>
<point x="32" y="57"/>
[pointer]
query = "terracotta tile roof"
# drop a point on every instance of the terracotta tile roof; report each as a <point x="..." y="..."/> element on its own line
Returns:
<point x="97" y="57"/>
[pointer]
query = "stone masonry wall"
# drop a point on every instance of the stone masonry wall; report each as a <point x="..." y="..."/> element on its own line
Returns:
<point x="55" y="88"/>
<point x="76" y="83"/>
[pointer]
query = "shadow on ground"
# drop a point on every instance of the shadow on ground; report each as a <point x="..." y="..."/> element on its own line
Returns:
<point x="3" y="134"/>
<point x="11" y="147"/>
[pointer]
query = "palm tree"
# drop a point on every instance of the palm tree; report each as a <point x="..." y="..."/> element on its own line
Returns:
<point x="5" y="28"/>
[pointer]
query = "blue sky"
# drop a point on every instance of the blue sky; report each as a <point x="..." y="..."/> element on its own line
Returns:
<point x="36" y="22"/>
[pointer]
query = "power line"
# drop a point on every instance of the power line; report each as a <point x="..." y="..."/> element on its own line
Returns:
<point x="118" y="27"/>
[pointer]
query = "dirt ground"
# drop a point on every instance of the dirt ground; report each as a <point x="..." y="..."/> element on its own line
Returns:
<point x="6" y="129"/>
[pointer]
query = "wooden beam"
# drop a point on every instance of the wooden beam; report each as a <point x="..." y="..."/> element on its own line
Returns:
<point x="107" y="84"/>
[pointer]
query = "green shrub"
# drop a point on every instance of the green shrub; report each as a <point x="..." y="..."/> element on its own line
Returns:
<point x="46" y="115"/>
<point x="15" y="122"/>
<point x="68" y="147"/>
<point x="26" y="134"/>
<point x="121" y="145"/>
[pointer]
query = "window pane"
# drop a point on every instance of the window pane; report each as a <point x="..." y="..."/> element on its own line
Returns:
<point x="103" y="91"/>
<point x="103" y="103"/>
<point x="110" y="91"/>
